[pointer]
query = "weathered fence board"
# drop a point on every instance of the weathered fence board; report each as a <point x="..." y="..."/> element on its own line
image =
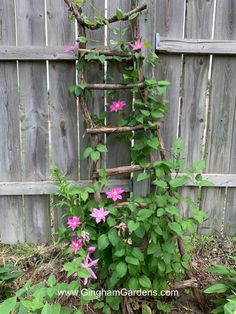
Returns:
<point x="221" y="132"/>
<point x="11" y="207"/>
<point x="170" y="22"/>
<point x="33" y="98"/>
<point x="94" y="74"/>
<point x="199" y="20"/>
<point x="226" y="28"/>
<point x="62" y="108"/>
<point x="196" y="46"/>
<point x="118" y="153"/>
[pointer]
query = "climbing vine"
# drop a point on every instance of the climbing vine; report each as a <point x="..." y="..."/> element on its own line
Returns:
<point x="114" y="242"/>
<point x="136" y="243"/>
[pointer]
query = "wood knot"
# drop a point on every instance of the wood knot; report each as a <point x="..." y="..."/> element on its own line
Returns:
<point x="63" y="127"/>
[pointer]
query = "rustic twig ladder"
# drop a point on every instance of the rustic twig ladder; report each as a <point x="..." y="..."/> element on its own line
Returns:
<point x="94" y="130"/>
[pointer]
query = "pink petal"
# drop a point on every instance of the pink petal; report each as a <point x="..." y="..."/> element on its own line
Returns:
<point x="92" y="273"/>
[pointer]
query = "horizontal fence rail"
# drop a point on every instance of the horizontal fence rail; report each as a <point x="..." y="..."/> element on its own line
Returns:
<point x="198" y="46"/>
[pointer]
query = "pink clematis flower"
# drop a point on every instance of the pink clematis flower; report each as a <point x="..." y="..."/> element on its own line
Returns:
<point x="117" y="105"/>
<point x="76" y="245"/>
<point x="74" y="222"/>
<point x="88" y="263"/>
<point x="115" y="194"/>
<point x="99" y="214"/>
<point x="72" y="48"/>
<point x="138" y="45"/>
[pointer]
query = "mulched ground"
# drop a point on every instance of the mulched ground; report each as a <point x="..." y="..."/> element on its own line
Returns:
<point x="38" y="262"/>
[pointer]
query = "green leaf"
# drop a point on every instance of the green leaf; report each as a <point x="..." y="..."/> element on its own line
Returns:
<point x="102" y="148"/>
<point x="82" y="39"/>
<point x="174" y="226"/>
<point x="133" y="284"/>
<point x="163" y="83"/>
<point x="133" y="225"/>
<point x="84" y="195"/>
<point x="51" y="309"/>
<point x="102" y="59"/>
<point x="220" y="270"/>
<point x="164" y="307"/>
<point x="136" y="252"/>
<point x="172" y="210"/>
<point x="103" y="242"/>
<point x="113" y="237"/>
<point x="160" y="212"/>
<point x="8" y="305"/>
<point x="146" y="113"/>
<point x="111" y="221"/>
<point x="199" y="165"/>
<point x="143" y="176"/>
<point x="133" y="16"/>
<point x="114" y="302"/>
<point x="147" y="45"/>
<point x="71" y="90"/>
<point x="153" y="143"/>
<point x="95" y="155"/>
<point x="157" y="114"/>
<point x="145" y="282"/>
<point x="216" y="288"/>
<point x="98" y="305"/>
<point x="106" y="309"/>
<point x="121" y="269"/>
<point x="120" y="252"/>
<point x="152" y="248"/>
<point x="177" y="146"/>
<point x="132" y="260"/>
<point x="83" y="273"/>
<point x="143" y="214"/>
<point x="179" y="181"/>
<point x="51" y="281"/>
<point x="87" y="152"/>
<point x="162" y="184"/>
<point x="146" y="309"/>
<point x="119" y="14"/>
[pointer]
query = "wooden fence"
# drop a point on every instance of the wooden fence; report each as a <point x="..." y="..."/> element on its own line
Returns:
<point x="41" y="126"/>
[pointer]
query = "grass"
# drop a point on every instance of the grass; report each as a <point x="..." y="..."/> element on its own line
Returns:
<point x="39" y="261"/>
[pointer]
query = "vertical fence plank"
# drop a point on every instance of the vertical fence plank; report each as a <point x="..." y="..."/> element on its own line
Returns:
<point x="170" y="22"/>
<point x="63" y="109"/>
<point x="220" y="126"/>
<point x="170" y="19"/>
<point x="199" y="19"/>
<point x="118" y="152"/>
<point x="222" y="121"/>
<point x="33" y="97"/>
<point x="11" y="207"/>
<point x="94" y="74"/>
